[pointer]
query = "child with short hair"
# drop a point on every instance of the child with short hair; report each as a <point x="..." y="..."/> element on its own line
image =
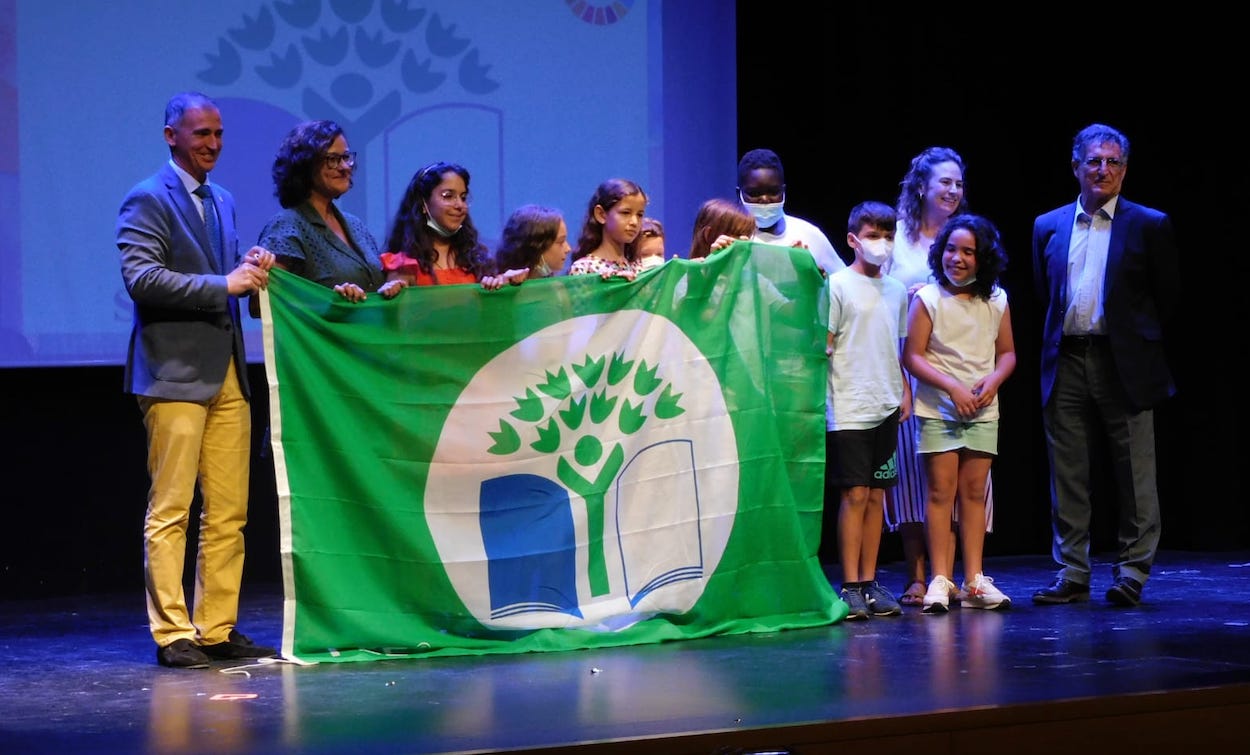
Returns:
<point x="868" y="397"/>
<point x="960" y="348"/>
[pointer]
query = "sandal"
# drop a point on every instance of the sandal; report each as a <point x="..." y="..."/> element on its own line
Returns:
<point x="913" y="595"/>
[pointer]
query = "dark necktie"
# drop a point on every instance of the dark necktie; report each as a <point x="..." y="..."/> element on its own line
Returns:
<point x="211" y="223"/>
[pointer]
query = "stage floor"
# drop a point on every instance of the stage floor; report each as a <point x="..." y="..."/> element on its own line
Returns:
<point x="79" y="675"/>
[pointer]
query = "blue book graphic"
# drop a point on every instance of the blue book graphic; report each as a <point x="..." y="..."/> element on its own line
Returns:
<point x="531" y="549"/>
<point x="657" y="518"/>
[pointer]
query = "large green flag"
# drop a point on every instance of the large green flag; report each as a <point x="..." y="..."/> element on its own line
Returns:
<point x="572" y="462"/>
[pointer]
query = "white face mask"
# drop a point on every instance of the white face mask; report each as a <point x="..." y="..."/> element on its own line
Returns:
<point x="971" y="279"/>
<point x="542" y="269"/>
<point x="766" y="215"/>
<point x="437" y="228"/>
<point x="875" y="251"/>
<point x="646" y="263"/>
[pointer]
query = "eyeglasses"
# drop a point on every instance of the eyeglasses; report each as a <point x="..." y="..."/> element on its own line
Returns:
<point x="447" y="195"/>
<point x="340" y="160"/>
<point x="1094" y="163"/>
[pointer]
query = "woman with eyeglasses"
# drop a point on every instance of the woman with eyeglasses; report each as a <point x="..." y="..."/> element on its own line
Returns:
<point x="433" y="240"/>
<point x="311" y="236"/>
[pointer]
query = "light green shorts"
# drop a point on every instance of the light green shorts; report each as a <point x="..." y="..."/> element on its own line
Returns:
<point x="937" y="435"/>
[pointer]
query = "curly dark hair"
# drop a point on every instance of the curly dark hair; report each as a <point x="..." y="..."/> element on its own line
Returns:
<point x="409" y="233"/>
<point x="299" y="159"/>
<point x="991" y="257"/>
<point x="529" y="231"/>
<point x="606" y="195"/>
<point x="910" y="201"/>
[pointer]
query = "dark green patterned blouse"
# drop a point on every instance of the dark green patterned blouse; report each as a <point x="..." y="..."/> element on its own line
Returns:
<point x="306" y="246"/>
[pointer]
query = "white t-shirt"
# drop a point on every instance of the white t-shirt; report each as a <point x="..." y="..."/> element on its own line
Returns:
<point x="909" y="263"/>
<point x="961" y="345"/>
<point x="867" y="316"/>
<point x="797" y="229"/>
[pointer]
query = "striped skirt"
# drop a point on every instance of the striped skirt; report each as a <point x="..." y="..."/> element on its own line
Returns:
<point x="905" y="502"/>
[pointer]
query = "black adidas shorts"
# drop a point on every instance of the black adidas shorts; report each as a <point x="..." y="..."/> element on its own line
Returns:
<point x="855" y="458"/>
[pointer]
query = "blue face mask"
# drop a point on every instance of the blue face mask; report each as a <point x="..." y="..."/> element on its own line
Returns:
<point x="766" y="215"/>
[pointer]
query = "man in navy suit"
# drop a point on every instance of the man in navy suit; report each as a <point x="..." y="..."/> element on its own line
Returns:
<point x="1107" y="270"/>
<point x="188" y="370"/>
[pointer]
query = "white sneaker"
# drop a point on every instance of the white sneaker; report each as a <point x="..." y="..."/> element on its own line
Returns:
<point x="983" y="594"/>
<point x="937" y="598"/>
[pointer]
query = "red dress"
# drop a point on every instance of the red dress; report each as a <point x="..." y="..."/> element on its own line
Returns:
<point x="400" y="262"/>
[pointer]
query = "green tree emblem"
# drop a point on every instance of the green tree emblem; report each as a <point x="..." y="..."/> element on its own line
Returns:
<point x="605" y="397"/>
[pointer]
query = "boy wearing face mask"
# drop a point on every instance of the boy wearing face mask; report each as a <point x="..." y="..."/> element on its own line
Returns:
<point x="762" y="189"/>
<point x="868" y="397"/>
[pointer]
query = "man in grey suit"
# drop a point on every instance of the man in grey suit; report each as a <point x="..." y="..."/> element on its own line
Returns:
<point x="188" y="370"/>
<point x="1107" y="270"/>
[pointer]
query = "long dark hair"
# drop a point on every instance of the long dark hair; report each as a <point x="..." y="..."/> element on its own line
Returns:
<point x="409" y="233"/>
<point x="606" y="196"/>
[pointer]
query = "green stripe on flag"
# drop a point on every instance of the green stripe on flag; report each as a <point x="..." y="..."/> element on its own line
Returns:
<point x="568" y="463"/>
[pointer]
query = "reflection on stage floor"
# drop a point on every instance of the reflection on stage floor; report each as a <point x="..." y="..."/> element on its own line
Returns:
<point x="79" y="675"/>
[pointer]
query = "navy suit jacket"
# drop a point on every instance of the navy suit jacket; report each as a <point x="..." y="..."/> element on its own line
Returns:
<point x="185" y="326"/>
<point x="1140" y="293"/>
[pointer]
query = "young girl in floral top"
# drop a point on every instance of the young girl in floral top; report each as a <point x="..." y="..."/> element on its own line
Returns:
<point x="608" y="244"/>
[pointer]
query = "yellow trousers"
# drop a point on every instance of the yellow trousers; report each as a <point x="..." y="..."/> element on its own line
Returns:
<point x="208" y="442"/>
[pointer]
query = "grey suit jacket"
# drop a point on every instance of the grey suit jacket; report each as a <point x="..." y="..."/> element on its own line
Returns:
<point x="185" y="326"/>
<point x="1140" y="293"/>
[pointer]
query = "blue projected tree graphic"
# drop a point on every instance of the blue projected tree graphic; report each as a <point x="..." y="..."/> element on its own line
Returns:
<point x="349" y="63"/>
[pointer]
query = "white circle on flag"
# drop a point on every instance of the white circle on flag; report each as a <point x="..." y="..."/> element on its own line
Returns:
<point x="516" y="541"/>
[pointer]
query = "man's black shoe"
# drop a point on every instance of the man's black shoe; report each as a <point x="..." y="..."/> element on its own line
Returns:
<point x="237" y="647"/>
<point x="1125" y="592"/>
<point x="181" y="654"/>
<point x="1062" y="591"/>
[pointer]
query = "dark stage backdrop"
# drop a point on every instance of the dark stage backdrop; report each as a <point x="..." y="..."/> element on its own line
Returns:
<point x="848" y="93"/>
<point x="846" y="96"/>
